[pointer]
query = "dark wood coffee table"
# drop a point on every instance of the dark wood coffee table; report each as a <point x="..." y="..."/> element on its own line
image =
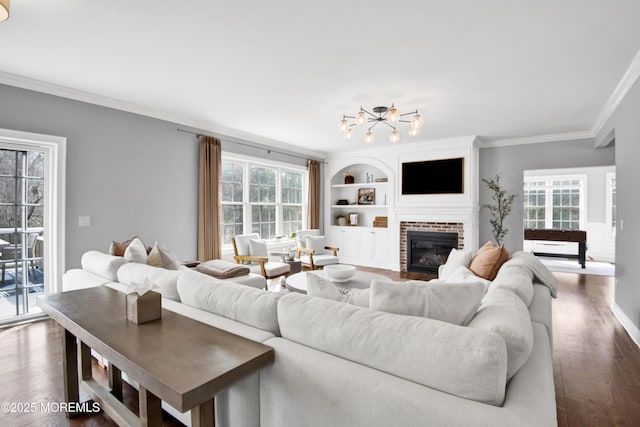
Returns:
<point x="175" y="359"/>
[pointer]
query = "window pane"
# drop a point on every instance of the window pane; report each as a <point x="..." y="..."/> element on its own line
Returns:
<point x="263" y="220"/>
<point x="292" y="187"/>
<point x="232" y="222"/>
<point x="231" y="182"/>
<point x="292" y="219"/>
<point x="262" y="188"/>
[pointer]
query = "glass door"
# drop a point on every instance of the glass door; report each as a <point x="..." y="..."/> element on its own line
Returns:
<point x="21" y="231"/>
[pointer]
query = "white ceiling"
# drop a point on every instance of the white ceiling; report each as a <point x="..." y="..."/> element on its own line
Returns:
<point x="288" y="70"/>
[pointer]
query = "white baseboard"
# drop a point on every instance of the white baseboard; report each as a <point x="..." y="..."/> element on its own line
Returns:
<point x="632" y="329"/>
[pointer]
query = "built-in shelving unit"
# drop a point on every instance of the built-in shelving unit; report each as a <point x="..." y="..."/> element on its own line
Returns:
<point x="362" y="244"/>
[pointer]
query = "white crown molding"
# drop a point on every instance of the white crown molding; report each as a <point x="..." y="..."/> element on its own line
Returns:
<point x="631" y="75"/>
<point x="558" y="137"/>
<point x="104" y="101"/>
<point x="629" y="78"/>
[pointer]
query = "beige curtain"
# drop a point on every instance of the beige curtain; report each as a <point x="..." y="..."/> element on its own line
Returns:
<point x="209" y="210"/>
<point x="313" y="205"/>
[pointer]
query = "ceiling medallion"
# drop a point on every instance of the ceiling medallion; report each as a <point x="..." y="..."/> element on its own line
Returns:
<point x="389" y="116"/>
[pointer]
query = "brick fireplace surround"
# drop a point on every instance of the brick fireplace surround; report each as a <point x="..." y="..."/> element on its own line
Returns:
<point x="438" y="227"/>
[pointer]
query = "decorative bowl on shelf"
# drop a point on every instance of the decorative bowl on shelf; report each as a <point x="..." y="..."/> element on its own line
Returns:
<point x="339" y="272"/>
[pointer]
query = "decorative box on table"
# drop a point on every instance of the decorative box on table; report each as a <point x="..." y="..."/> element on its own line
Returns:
<point x="145" y="307"/>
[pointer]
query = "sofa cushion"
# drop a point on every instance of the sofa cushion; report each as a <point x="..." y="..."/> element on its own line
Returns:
<point x="136" y="275"/>
<point x="455" y="259"/>
<point x="453" y="359"/>
<point x="161" y="257"/>
<point x="136" y="252"/>
<point x="244" y="304"/>
<point x="515" y="278"/>
<point x="318" y="286"/>
<point x="102" y="264"/>
<point x="488" y="260"/>
<point x="449" y="302"/>
<point x="504" y="312"/>
<point x="463" y="274"/>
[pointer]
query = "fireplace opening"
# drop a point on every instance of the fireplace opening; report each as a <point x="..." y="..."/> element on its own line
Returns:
<point x="427" y="250"/>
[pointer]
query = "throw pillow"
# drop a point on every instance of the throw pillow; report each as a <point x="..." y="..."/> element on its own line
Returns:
<point x="136" y="252"/>
<point x="488" y="260"/>
<point x="463" y="274"/>
<point x="318" y="286"/>
<point x="455" y="303"/>
<point x="258" y="248"/>
<point x="317" y="243"/>
<point x="455" y="259"/>
<point x="117" y="249"/>
<point x="161" y="257"/>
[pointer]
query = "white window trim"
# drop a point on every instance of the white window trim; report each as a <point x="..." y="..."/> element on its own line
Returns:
<point x="55" y="152"/>
<point x="610" y="176"/>
<point x="246" y="204"/>
<point x="549" y="195"/>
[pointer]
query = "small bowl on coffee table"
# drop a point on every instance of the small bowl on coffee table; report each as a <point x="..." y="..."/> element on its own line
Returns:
<point x="339" y="273"/>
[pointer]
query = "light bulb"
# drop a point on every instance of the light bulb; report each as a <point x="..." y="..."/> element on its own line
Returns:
<point x="414" y="132"/>
<point x="361" y="118"/>
<point x="416" y="121"/>
<point x="348" y="134"/>
<point x="393" y="115"/>
<point x="395" y="136"/>
<point x="344" y="125"/>
<point x="368" y="137"/>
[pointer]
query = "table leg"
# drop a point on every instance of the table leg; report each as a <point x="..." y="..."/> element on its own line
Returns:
<point x="203" y="415"/>
<point x="85" y="361"/>
<point x="70" y="368"/>
<point x="582" y="254"/>
<point x="150" y="408"/>
<point x="115" y="380"/>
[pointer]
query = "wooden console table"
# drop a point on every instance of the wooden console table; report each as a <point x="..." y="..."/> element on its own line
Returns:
<point x="561" y="236"/>
<point x="175" y="359"/>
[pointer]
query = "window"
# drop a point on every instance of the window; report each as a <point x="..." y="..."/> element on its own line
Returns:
<point x="534" y="204"/>
<point x="611" y="202"/>
<point x="554" y="202"/>
<point x="261" y="198"/>
<point x="232" y="207"/>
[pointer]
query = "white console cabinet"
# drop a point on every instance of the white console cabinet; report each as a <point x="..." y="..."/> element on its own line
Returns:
<point x="366" y="246"/>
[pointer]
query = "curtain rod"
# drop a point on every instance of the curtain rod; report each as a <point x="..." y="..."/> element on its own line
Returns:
<point x="268" y="150"/>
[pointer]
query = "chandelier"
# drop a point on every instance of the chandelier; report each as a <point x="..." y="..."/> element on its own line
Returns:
<point x="389" y="116"/>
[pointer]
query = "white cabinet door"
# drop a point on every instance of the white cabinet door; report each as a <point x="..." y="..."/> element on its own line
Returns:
<point x="373" y="247"/>
<point x="346" y="240"/>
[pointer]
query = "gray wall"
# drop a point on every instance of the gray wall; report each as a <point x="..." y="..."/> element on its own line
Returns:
<point x="627" y="134"/>
<point x="510" y="162"/>
<point x="132" y="174"/>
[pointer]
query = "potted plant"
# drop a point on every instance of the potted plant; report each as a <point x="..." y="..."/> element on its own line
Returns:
<point x="499" y="209"/>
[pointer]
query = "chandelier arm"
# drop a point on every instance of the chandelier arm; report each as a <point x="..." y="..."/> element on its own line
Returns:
<point x="374" y="124"/>
<point x="411" y="112"/>
<point x="369" y="113"/>
<point x="388" y="124"/>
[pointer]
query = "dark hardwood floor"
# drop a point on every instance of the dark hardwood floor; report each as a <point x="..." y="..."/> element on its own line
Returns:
<point x="596" y="364"/>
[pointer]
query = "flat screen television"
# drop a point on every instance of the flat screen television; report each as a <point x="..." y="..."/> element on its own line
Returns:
<point x="445" y="176"/>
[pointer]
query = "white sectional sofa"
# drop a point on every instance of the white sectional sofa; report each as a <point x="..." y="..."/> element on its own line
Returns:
<point x="343" y="365"/>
